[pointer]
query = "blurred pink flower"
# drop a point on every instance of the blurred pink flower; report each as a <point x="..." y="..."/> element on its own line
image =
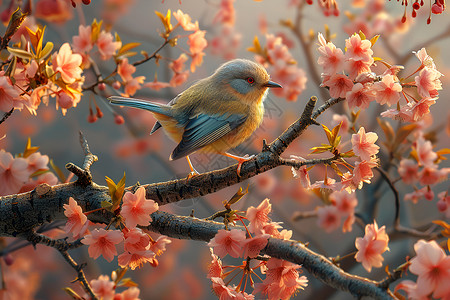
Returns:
<point x="409" y="171"/>
<point x="103" y="287"/>
<point x="328" y="218"/>
<point x="136" y="209"/>
<point x="331" y="59"/>
<point x="53" y="11"/>
<point x="9" y="96"/>
<point x="370" y="248"/>
<point x="360" y="96"/>
<point x="177" y="65"/>
<point x="102" y="242"/>
<point x="424" y="150"/>
<point x="432" y="266"/>
<point x="67" y="64"/>
<point x="133" y="85"/>
<point x="197" y="42"/>
<point x="228" y="242"/>
<point x="226" y="42"/>
<point x="363" y="172"/>
<point x="387" y="90"/>
<point x="258" y="216"/>
<point x="125" y="70"/>
<point x="185" y="21"/>
<point x="82" y="43"/>
<point x="431" y="174"/>
<point x="272" y="228"/>
<point x="156" y="85"/>
<point x="226" y="14"/>
<point x="106" y="45"/>
<point x="345" y="123"/>
<point x="131" y="293"/>
<point x="444" y="203"/>
<point x="179" y="78"/>
<point x="37" y="161"/>
<point x="75" y="217"/>
<point x="13" y="173"/>
<point x="363" y="144"/>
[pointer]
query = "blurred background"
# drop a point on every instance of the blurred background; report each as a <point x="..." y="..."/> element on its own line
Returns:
<point x="128" y="148"/>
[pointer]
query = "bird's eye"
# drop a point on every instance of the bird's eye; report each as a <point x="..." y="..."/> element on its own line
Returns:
<point x="250" y="80"/>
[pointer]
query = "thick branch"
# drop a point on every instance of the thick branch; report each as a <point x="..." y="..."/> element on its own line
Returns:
<point x="318" y="265"/>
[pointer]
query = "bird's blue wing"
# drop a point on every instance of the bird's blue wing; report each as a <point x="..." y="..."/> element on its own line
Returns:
<point x="204" y="129"/>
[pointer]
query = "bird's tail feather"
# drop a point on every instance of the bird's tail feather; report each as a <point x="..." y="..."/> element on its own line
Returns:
<point x="136" y="103"/>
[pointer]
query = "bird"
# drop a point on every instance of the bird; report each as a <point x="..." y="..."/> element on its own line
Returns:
<point x="213" y="115"/>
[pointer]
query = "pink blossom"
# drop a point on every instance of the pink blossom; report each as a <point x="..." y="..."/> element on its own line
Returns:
<point x="196" y="60"/>
<point x="328" y="218"/>
<point x="14" y="173"/>
<point x="408" y="170"/>
<point x="136" y="209"/>
<point x="102" y="242"/>
<point x="177" y="65"/>
<point x="259" y="216"/>
<point x="185" y="21"/>
<point x="159" y="246"/>
<point x="420" y="108"/>
<point x="226" y="14"/>
<point x="36" y="162"/>
<point x="103" y="287"/>
<point x="431" y="174"/>
<point x="136" y="259"/>
<point x="358" y="49"/>
<point x="82" y="43"/>
<point x="282" y="280"/>
<point x="360" y="96"/>
<point x="432" y="266"/>
<point x="370" y="248"/>
<point x="331" y="59"/>
<point x="404" y="114"/>
<point x="363" y="172"/>
<point x="67" y="64"/>
<point x="223" y="291"/>
<point x="9" y="96"/>
<point x="410" y="287"/>
<point x="272" y="228"/>
<point x="215" y="268"/>
<point x="228" y="242"/>
<point x="343" y="119"/>
<point x="339" y="85"/>
<point x="424" y="150"/>
<point x="329" y="184"/>
<point x="344" y="202"/>
<point x="125" y="70"/>
<point x="252" y="246"/>
<point x="179" y="78"/>
<point x="357" y="67"/>
<point x="157" y="85"/>
<point x="131" y="293"/>
<point x="425" y="59"/>
<point x="54" y="11"/>
<point x="133" y="85"/>
<point x="76" y="219"/>
<point x="444" y="203"/>
<point x="136" y="240"/>
<point x="428" y="82"/>
<point x="197" y="42"/>
<point x="418" y="194"/>
<point x="106" y="45"/>
<point x="47" y="177"/>
<point x="387" y="90"/>
<point x="363" y="144"/>
<point x="227" y="42"/>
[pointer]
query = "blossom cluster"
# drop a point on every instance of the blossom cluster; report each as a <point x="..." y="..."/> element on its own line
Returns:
<point x="24" y="172"/>
<point x="138" y="246"/>
<point x="349" y="75"/>
<point x="227" y="40"/>
<point x="105" y="288"/>
<point x="282" y="278"/>
<point x="282" y="66"/>
<point x="36" y="74"/>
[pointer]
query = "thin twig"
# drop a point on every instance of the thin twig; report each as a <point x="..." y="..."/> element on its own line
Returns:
<point x="6" y="115"/>
<point x="80" y="274"/>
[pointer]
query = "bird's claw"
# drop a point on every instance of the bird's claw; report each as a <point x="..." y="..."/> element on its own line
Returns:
<point x="192" y="174"/>
<point x="242" y="160"/>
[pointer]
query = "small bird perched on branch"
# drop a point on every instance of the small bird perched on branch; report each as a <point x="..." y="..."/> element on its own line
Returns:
<point x="215" y="114"/>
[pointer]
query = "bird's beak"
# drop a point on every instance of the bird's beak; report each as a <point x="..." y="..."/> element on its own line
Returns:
<point x="272" y="84"/>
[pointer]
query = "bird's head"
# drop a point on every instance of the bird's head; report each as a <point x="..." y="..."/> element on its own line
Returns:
<point x="245" y="79"/>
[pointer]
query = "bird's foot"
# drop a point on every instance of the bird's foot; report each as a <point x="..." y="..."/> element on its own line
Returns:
<point x="192" y="174"/>
<point x="242" y="160"/>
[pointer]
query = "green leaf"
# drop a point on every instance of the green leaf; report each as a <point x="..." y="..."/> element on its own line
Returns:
<point x="72" y="293"/>
<point x="374" y="39"/>
<point x="328" y="133"/>
<point x="127" y="47"/>
<point x="116" y="191"/>
<point x="46" y="51"/>
<point x="239" y="194"/>
<point x="57" y="170"/>
<point x="20" y="53"/>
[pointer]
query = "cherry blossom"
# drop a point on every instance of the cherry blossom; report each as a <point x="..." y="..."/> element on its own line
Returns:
<point x="185" y="21"/>
<point x="331" y="59"/>
<point x="9" y="96"/>
<point x="106" y="45"/>
<point x="67" y="64"/>
<point x="370" y="248"/>
<point x="409" y="171"/>
<point x="328" y="218"/>
<point x="253" y="245"/>
<point x="339" y="85"/>
<point x="136" y="209"/>
<point x="103" y="287"/>
<point x="159" y="246"/>
<point x="102" y="242"/>
<point x="258" y="216"/>
<point x="432" y="266"/>
<point x="387" y="90"/>
<point x="82" y="43"/>
<point x="136" y="259"/>
<point x="363" y="144"/>
<point x="360" y="96"/>
<point x="13" y="173"/>
<point x="215" y="268"/>
<point x="76" y="219"/>
<point x="228" y="242"/>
